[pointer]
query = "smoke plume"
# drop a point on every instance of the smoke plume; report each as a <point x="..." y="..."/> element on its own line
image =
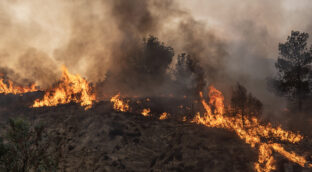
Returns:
<point x="233" y="40"/>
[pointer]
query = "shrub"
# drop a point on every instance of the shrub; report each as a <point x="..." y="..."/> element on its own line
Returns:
<point x="26" y="148"/>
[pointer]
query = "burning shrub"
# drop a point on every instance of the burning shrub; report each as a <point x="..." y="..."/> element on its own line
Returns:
<point x="8" y="86"/>
<point x="71" y="88"/>
<point x="26" y="148"/>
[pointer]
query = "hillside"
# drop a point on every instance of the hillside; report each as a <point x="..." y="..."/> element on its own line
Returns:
<point x="102" y="140"/>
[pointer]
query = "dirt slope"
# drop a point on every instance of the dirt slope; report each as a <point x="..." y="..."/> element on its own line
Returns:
<point x="100" y="139"/>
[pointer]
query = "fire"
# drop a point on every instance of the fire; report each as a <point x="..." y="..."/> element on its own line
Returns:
<point x="145" y="112"/>
<point x="164" y="116"/>
<point x="216" y="99"/>
<point x="265" y="158"/>
<point x="123" y="106"/>
<point x="119" y="104"/>
<point x="290" y="155"/>
<point x="10" y="88"/>
<point x="71" y="88"/>
<point x="251" y="132"/>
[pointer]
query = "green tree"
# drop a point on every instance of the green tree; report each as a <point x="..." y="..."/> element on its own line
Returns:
<point x="24" y="148"/>
<point x="294" y="70"/>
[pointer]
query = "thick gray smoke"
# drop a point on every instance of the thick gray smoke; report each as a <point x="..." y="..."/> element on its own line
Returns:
<point x="107" y="38"/>
<point x="234" y="40"/>
<point x="252" y="31"/>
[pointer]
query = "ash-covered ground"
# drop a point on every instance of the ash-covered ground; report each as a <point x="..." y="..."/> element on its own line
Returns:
<point x="100" y="139"/>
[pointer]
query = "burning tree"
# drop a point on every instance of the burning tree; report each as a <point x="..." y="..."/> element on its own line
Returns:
<point x="294" y="70"/>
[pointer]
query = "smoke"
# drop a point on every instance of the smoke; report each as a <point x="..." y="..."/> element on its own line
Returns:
<point x="7" y="73"/>
<point x="107" y="38"/>
<point x="233" y="40"/>
<point x="252" y="31"/>
<point x="28" y="39"/>
<point x="37" y="66"/>
<point x="92" y="38"/>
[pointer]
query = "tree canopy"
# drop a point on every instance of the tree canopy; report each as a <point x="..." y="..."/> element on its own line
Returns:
<point x="294" y="68"/>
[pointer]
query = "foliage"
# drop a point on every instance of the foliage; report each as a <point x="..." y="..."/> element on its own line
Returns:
<point x="189" y="74"/>
<point x="244" y="103"/>
<point x="152" y="61"/>
<point x="25" y="148"/>
<point x="294" y="70"/>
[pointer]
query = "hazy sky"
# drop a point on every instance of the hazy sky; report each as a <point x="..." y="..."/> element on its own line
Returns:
<point x="253" y="29"/>
<point x="228" y="17"/>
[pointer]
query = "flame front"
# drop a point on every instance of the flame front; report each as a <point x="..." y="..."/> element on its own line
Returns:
<point x="71" y="88"/>
<point x="251" y="131"/>
<point x="119" y="104"/>
<point x="10" y="88"/>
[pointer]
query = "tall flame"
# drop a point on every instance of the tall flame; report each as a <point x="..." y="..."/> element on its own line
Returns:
<point x="71" y="88"/>
<point x="251" y="132"/>
<point x="10" y="88"/>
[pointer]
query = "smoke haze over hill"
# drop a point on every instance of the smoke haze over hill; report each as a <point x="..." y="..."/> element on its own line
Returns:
<point x="92" y="38"/>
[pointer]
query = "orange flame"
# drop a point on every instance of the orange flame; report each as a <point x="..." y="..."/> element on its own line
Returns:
<point x="71" y="88"/>
<point x="119" y="104"/>
<point x="251" y="132"/>
<point x="10" y="88"/>
<point x="146" y="112"/>
<point x="164" y="116"/>
<point x="265" y="159"/>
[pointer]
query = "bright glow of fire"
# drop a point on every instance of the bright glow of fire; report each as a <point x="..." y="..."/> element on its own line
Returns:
<point x="145" y="112"/>
<point x="164" y="116"/>
<point x="119" y="104"/>
<point x="251" y="132"/>
<point x="10" y="88"/>
<point x="71" y="88"/>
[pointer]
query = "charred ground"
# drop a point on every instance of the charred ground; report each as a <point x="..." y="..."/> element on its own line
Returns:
<point x="100" y="139"/>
